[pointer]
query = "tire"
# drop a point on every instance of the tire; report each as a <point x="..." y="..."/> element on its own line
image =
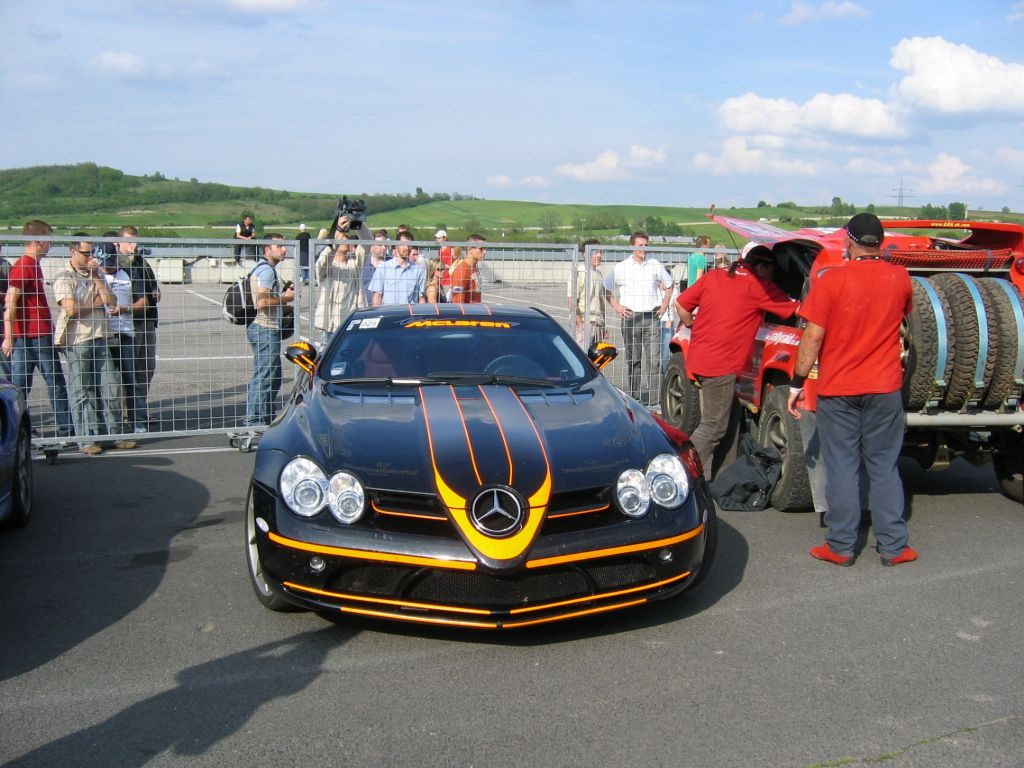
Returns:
<point x="1008" y="462"/>
<point x="22" y="485"/>
<point x="962" y="323"/>
<point x="1003" y="341"/>
<point x="710" y="547"/>
<point x="268" y="596"/>
<point x="777" y="427"/>
<point x="680" y="398"/>
<point x="921" y="351"/>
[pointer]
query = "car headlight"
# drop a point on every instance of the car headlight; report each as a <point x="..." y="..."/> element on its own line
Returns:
<point x="633" y="493"/>
<point x="665" y="483"/>
<point x="345" y="498"/>
<point x="668" y="480"/>
<point x="303" y="487"/>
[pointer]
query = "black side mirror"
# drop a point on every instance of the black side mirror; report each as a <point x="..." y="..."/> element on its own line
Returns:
<point x="601" y="353"/>
<point x="303" y="354"/>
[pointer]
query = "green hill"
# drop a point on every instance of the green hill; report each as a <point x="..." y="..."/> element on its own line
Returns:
<point x="95" y="199"/>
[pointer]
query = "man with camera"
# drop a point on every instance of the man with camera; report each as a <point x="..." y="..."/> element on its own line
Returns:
<point x="269" y="297"/>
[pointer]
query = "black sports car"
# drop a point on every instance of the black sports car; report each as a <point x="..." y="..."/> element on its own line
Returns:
<point x="468" y="465"/>
<point x="15" y="458"/>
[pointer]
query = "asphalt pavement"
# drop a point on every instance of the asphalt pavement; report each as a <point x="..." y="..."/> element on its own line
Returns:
<point x="129" y="636"/>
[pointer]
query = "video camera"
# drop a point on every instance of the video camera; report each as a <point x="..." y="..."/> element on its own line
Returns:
<point x="355" y="210"/>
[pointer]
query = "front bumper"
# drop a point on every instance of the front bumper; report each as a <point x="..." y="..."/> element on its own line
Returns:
<point x="439" y="582"/>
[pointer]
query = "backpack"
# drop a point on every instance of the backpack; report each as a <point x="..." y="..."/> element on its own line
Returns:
<point x="237" y="305"/>
<point x="748" y="482"/>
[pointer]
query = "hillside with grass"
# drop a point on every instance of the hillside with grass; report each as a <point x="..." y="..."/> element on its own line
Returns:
<point x="97" y="199"/>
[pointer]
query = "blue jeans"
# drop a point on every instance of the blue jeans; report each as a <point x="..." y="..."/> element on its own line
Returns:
<point x="866" y="428"/>
<point x="266" y="375"/>
<point x="86" y="362"/>
<point x="121" y="389"/>
<point x="38" y="352"/>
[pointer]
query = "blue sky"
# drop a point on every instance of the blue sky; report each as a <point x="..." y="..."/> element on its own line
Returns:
<point x="647" y="102"/>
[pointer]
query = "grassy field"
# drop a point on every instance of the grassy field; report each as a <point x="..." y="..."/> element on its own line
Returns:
<point x="74" y="198"/>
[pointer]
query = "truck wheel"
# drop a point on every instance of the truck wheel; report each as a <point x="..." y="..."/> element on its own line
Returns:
<point x="1008" y="462"/>
<point x="777" y="427"/>
<point x="921" y="351"/>
<point x="680" y="398"/>
<point x="962" y="323"/>
<point x="1002" y="337"/>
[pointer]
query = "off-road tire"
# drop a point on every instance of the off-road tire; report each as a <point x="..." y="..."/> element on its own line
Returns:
<point x="680" y="398"/>
<point x="1003" y="340"/>
<point x="921" y="350"/>
<point x="1008" y="462"/>
<point x="777" y="427"/>
<point x="267" y="595"/>
<point x="962" y="324"/>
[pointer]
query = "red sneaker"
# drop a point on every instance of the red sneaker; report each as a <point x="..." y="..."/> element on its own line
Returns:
<point x="824" y="552"/>
<point x="908" y="555"/>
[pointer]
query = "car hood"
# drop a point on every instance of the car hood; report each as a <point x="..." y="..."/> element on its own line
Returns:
<point x="468" y="437"/>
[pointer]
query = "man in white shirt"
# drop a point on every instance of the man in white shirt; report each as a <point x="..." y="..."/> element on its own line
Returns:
<point x="644" y="290"/>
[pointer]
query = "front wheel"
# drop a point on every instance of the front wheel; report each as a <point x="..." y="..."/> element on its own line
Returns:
<point x="680" y="398"/>
<point x="1008" y="463"/>
<point x="710" y="547"/>
<point x="778" y="428"/>
<point x="21" y="489"/>
<point x="265" y="593"/>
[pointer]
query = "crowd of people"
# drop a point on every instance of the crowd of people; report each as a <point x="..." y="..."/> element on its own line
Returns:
<point x="98" y="356"/>
<point x="104" y="332"/>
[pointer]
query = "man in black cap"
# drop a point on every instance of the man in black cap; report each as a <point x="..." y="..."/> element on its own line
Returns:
<point x="853" y="330"/>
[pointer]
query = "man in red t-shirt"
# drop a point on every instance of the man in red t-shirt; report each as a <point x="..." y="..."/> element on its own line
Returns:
<point x="853" y="330"/>
<point x="28" y="328"/>
<point x="465" y="284"/>
<point x="732" y="303"/>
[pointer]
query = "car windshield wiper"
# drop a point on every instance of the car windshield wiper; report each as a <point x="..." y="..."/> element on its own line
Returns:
<point x="494" y="378"/>
<point x="391" y="381"/>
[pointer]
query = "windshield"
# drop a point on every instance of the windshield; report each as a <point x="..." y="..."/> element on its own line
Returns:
<point x="419" y="350"/>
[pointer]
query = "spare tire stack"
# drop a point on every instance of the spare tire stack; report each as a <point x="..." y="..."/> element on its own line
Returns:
<point x="962" y="343"/>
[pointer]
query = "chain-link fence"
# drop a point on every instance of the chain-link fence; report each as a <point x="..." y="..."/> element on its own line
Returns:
<point x="186" y="370"/>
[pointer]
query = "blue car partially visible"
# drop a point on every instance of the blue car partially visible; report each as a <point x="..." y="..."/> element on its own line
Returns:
<point x="15" y="458"/>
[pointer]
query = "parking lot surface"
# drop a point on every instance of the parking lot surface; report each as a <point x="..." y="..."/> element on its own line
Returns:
<point x="129" y="636"/>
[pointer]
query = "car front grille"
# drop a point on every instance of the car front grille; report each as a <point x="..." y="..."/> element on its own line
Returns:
<point x="485" y="590"/>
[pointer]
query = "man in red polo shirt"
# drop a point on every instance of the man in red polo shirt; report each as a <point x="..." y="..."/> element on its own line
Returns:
<point x="732" y="303"/>
<point x="28" y="327"/>
<point x="853" y="330"/>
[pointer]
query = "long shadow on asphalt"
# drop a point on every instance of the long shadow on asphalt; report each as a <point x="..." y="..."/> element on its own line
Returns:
<point x="96" y="549"/>
<point x="210" y="702"/>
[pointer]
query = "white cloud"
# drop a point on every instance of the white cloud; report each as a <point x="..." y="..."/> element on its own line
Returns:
<point x="503" y="181"/>
<point x="644" y="157"/>
<point x="956" y="79"/>
<point x="611" y="166"/>
<point x="866" y="166"/>
<point x="1012" y="158"/>
<point x="841" y="113"/>
<point x="802" y="13"/>
<point x="737" y="156"/>
<point x="607" y="166"/>
<point x="1016" y="13"/>
<point x="25" y="80"/>
<point x="119" y="64"/>
<point x="950" y="175"/>
<point x="535" y="181"/>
